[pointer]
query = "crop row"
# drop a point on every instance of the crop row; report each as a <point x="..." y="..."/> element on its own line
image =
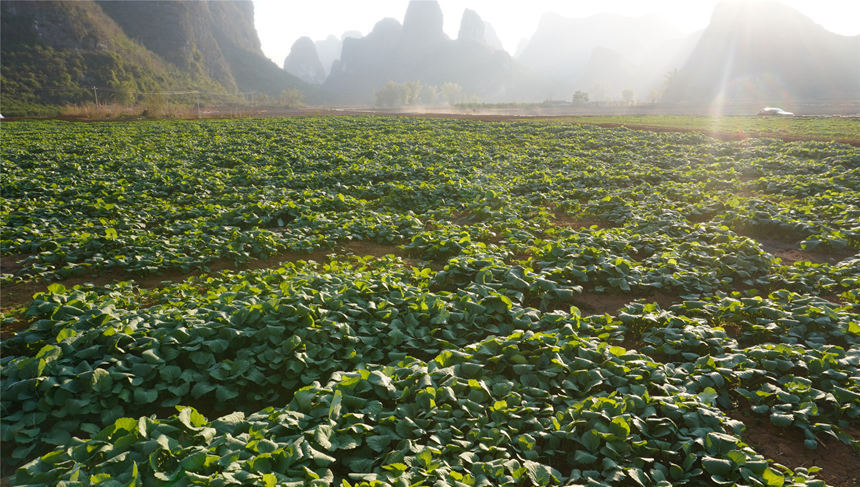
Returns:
<point x="148" y="198"/>
<point x="239" y="342"/>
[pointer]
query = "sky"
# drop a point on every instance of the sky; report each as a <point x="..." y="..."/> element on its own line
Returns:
<point x="280" y="22"/>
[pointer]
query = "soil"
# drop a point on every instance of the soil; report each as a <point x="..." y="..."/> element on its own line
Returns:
<point x="840" y="465"/>
<point x="611" y="303"/>
<point x="664" y="300"/>
<point x="733" y="330"/>
<point x="834" y="298"/>
<point x="466" y="218"/>
<point x="790" y="252"/>
<point x="600" y="303"/>
<point x="10" y="264"/>
<point x="564" y="220"/>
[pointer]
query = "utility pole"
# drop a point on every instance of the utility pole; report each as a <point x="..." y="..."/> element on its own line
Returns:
<point x="96" y="95"/>
<point x="197" y="101"/>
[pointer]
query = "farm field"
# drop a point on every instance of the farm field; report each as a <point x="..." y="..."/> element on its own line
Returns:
<point x="372" y="301"/>
<point x="846" y="129"/>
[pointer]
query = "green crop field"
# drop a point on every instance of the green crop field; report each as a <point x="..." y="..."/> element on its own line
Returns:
<point x="839" y="128"/>
<point x="372" y="301"/>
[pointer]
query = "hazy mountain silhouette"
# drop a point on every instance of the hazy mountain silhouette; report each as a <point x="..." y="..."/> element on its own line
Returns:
<point x="419" y="50"/>
<point x="672" y="54"/>
<point x="364" y="63"/>
<point x="561" y="46"/>
<point x="491" y="38"/>
<point x="328" y="49"/>
<point x="304" y="63"/>
<point x="768" y="53"/>
<point x="422" y="25"/>
<point x="474" y="29"/>
<point x="753" y="52"/>
<point x="606" y="74"/>
<point x="602" y="55"/>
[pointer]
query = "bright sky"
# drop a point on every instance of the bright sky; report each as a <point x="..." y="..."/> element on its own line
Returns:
<point x="281" y="22"/>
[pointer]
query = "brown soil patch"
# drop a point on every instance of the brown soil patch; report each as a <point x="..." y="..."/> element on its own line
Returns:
<point x="600" y="303"/>
<point x="790" y="252"/>
<point x="834" y="298"/>
<point x="641" y="255"/>
<point x="664" y="300"/>
<point x="733" y="330"/>
<point x="839" y="463"/>
<point x="562" y="219"/>
<point x="10" y="264"/>
<point x="590" y="302"/>
<point x="632" y="343"/>
<point x="9" y="329"/>
<point x="465" y="218"/>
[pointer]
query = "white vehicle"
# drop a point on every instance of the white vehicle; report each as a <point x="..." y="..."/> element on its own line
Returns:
<point x="775" y="111"/>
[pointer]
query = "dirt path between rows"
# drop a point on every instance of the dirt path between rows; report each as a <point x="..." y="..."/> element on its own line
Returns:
<point x="790" y="252"/>
<point x="840" y="465"/>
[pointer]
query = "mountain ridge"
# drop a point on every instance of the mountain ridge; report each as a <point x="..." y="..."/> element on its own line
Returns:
<point x="58" y="52"/>
<point x="63" y="52"/>
<point x="419" y="51"/>
<point x="769" y="53"/>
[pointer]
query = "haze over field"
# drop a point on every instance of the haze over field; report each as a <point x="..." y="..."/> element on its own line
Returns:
<point x="281" y="23"/>
<point x="691" y="52"/>
<point x="687" y="56"/>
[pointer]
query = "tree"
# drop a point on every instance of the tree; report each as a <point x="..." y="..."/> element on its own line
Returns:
<point x="598" y="92"/>
<point x="429" y="95"/>
<point x="628" y="95"/>
<point x="580" y="97"/>
<point x="414" y="93"/>
<point x="452" y="92"/>
<point x="262" y="99"/>
<point x="291" y="98"/>
<point x="411" y="92"/>
<point x="668" y="80"/>
<point x="155" y="105"/>
<point x="123" y="91"/>
<point x="390" y="95"/>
